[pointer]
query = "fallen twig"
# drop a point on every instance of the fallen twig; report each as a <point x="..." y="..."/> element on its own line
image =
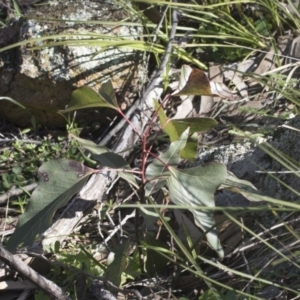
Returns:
<point x="54" y="291"/>
<point x="155" y="81"/>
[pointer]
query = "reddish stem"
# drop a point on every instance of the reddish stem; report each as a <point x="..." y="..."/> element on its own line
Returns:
<point x="129" y="122"/>
<point x="146" y="151"/>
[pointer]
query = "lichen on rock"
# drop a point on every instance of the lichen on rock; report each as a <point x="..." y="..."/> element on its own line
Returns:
<point x="43" y="80"/>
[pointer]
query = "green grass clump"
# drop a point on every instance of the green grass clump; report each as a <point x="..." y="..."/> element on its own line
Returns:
<point x="19" y="161"/>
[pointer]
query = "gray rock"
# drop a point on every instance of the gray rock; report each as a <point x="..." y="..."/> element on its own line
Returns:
<point x="245" y="160"/>
<point x="43" y="80"/>
<point x="269" y="293"/>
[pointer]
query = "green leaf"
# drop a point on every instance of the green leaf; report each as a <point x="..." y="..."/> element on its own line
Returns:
<point x="40" y="295"/>
<point x="108" y="159"/>
<point x="107" y="92"/>
<point x="190" y="150"/>
<point x="133" y="269"/>
<point x="211" y="295"/>
<point x="195" y="124"/>
<point x="159" y="166"/>
<point x="17" y="170"/>
<point x="155" y="263"/>
<point x="13" y="101"/>
<point x="58" y="181"/>
<point x="243" y="187"/>
<point x="165" y="123"/>
<point x="89" y="145"/>
<point x="116" y="161"/>
<point x="119" y="263"/>
<point x="86" y="97"/>
<point x="196" y="187"/>
<point x="175" y="127"/>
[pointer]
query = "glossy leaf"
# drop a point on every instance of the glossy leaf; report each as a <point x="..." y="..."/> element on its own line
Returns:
<point x="58" y="181"/>
<point x="107" y="92"/>
<point x="190" y="150"/>
<point x="86" y="97"/>
<point x="167" y="126"/>
<point x="118" y="263"/>
<point x="243" y="187"/>
<point x="170" y="129"/>
<point x="175" y="127"/>
<point x="107" y="159"/>
<point x="194" y="81"/>
<point x="157" y="170"/>
<point x="196" y="187"/>
<point x="89" y="145"/>
<point x="116" y="161"/>
<point x="155" y="263"/>
<point x="195" y="124"/>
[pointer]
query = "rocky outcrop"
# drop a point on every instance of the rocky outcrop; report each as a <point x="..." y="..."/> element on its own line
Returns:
<point x="252" y="163"/>
<point x="43" y="79"/>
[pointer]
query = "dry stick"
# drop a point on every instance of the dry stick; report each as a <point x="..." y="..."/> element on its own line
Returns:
<point x="120" y="125"/>
<point x="76" y="271"/>
<point x="117" y="228"/>
<point x="46" y="285"/>
<point x="156" y="79"/>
